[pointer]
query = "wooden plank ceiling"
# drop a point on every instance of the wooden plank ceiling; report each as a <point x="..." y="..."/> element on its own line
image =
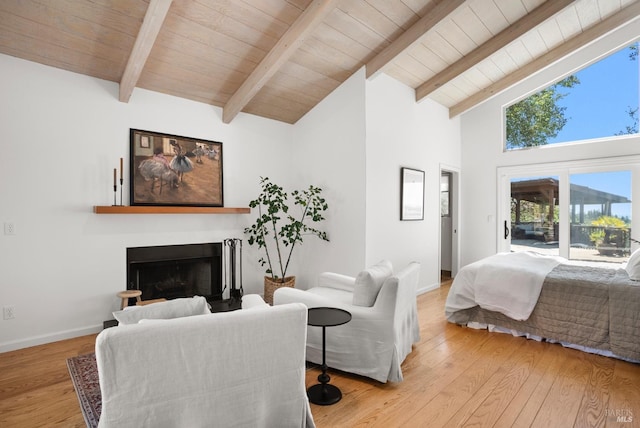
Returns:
<point x="279" y="58"/>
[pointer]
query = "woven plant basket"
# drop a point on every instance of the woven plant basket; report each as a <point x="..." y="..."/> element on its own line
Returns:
<point x="271" y="285"/>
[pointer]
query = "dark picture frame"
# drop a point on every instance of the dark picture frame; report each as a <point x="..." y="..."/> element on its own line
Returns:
<point x="411" y="194"/>
<point x="172" y="170"/>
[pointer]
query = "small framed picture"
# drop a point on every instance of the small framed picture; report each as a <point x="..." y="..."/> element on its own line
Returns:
<point x="145" y="142"/>
<point x="412" y="194"/>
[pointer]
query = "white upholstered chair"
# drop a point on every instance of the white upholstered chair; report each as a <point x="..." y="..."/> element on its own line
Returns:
<point x="229" y="369"/>
<point x="384" y="323"/>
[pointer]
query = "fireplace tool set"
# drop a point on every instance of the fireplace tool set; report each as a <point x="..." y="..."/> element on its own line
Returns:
<point x="232" y="259"/>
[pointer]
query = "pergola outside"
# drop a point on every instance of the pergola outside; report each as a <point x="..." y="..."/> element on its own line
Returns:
<point x="544" y="191"/>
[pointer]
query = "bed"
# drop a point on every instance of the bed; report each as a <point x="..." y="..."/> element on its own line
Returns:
<point x="595" y="309"/>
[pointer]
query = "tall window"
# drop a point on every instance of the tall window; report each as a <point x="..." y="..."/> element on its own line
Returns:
<point x="598" y="101"/>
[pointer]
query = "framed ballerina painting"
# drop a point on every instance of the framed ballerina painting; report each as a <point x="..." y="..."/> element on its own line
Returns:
<point x="173" y="170"/>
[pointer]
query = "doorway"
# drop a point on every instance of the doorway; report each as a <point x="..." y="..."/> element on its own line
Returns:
<point x="449" y="259"/>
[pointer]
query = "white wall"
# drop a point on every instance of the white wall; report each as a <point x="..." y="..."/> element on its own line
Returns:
<point x="353" y="144"/>
<point x="61" y="136"/>
<point x="403" y="133"/>
<point x="328" y="148"/>
<point x="482" y="142"/>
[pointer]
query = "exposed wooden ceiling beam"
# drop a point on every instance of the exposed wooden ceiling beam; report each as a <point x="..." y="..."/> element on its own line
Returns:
<point x="543" y="12"/>
<point x="295" y="36"/>
<point x="411" y="36"/>
<point x="153" y="19"/>
<point x="578" y="42"/>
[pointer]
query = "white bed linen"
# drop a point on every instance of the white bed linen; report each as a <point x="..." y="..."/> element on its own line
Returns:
<point x="508" y="283"/>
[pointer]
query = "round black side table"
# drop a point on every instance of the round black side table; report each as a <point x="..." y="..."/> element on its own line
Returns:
<point x="323" y="393"/>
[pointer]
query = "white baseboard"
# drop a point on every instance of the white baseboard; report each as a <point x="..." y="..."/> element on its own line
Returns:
<point x="49" y="338"/>
<point x="427" y="288"/>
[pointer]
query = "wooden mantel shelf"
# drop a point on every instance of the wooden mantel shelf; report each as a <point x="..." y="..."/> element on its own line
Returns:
<point x="138" y="209"/>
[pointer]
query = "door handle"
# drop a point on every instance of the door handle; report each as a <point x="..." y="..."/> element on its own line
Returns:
<point x="506" y="230"/>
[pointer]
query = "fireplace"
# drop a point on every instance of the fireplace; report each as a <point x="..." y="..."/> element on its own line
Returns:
<point x="173" y="271"/>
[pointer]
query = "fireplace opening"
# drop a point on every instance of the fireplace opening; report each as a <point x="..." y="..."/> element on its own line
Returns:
<point x="173" y="271"/>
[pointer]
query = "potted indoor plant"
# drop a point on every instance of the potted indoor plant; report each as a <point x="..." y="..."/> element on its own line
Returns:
<point x="277" y="229"/>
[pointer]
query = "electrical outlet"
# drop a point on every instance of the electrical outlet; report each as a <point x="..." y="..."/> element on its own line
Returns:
<point x="9" y="312"/>
<point x="9" y="229"/>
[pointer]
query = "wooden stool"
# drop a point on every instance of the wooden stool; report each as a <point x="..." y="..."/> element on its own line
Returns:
<point x="148" y="302"/>
<point x="126" y="295"/>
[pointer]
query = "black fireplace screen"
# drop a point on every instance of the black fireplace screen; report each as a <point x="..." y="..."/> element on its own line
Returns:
<point x="172" y="271"/>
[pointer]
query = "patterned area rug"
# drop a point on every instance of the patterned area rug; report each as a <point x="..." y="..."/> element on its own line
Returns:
<point x="84" y="374"/>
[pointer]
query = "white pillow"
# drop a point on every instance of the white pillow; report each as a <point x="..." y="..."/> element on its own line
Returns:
<point x="369" y="282"/>
<point x="151" y="321"/>
<point x="250" y="301"/>
<point x="176" y="308"/>
<point x="633" y="266"/>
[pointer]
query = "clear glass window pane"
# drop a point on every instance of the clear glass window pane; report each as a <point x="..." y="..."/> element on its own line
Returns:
<point x="600" y="214"/>
<point x="534" y="214"/>
<point x="445" y="203"/>
<point x="598" y="101"/>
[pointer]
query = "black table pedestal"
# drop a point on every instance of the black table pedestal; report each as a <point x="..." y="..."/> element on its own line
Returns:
<point x="323" y="393"/>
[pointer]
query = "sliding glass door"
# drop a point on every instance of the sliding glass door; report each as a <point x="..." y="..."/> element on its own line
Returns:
<point x="579" y="210"/>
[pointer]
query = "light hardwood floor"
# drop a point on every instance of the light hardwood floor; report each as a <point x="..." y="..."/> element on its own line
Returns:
<point x="454" y="377"/>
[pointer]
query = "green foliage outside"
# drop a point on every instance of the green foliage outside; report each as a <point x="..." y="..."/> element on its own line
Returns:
<point x="531" y="212"/>
<point x="534" y="120"/>
<point x="279" y="230"/>
<point x="633" y="128"/>
<point x="633" y="113"/>
<point x="633" y="52"/>
<point x="592" y="216"/>
<point x="610" y="226"/>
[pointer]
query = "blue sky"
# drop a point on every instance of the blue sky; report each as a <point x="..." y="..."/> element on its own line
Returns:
<point x="597" y="106"/>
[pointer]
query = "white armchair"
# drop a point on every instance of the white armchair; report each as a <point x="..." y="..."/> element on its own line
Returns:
<point x="228" y="369"/>
<point x="380" y="336"/>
